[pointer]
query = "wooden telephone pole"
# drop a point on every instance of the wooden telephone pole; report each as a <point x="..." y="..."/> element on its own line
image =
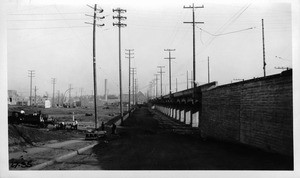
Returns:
<point x="96" y="10"/>
<point x="119" y="24"/>
<point x="193" y="7"/>
<point x="170" y="77"/>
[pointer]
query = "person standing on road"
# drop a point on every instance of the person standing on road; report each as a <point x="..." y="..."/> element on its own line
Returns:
<point x="102" y="126"/>
<point x="113" y="128"/>
<point x="75" y="124"/>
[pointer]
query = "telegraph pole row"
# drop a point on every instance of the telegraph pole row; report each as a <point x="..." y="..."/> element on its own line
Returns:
<point x="156" y="84"/>
<point x="96" y="10"/>
<point x="169" y="50"/>
<point x="129" y="54"/>
<point x="31" y="74"/>
<point x="160" y="72"/>
<point x="53" y="96"/>
<point x="119" y="24"/>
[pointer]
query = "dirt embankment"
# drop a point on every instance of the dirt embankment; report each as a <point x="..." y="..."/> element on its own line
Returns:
<point x="21" y="137"/>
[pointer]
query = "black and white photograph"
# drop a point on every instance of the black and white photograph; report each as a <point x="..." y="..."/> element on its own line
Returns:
<point x="128" y="88"/>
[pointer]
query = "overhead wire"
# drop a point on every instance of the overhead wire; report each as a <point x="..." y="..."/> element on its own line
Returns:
<point x="51" y="13"/>
<point x="220" y="34"/>
<point x="32" y="28"/>
<point x="229" y="22"/>
<point x="44" y="19"/>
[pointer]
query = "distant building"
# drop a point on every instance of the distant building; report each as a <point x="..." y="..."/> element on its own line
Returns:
<point x="12" y="97"/>
<point x="47" y="103"/>
<point x="140" y="98"/>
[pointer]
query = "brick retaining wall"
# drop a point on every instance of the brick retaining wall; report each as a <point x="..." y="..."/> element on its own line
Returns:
<point x="257" y="112"/>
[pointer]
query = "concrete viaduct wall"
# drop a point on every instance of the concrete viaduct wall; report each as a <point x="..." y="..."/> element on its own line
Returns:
<point x="256" y="112"/>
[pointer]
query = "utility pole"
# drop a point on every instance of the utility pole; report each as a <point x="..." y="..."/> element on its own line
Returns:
<point x="96" y="10"/>
<point x="136" y="91"/>
<point x="81" y="89"/>
<point x="208" y="68"/>
<point x="169" y="50"/>
<point x="161" y="72"/>
<point x="150" y="90"/>
<point x="156" y="84"/>
<point x="194" y="44"/>
<point x="176" y="85"/>
<point x="31" y="74"/>
<point x="192" y="81"/>
<point x="263" y="39"/>
<point x="70" y="88"/>
<point x="58" y="97"/>
<point x="119" y="24"/>
<point x="133" y="72"/>
<point x="35" y="96"/>
<point x="129" y="57"/>
<point x="187" y="79"/>
<point x="53" y="96"/>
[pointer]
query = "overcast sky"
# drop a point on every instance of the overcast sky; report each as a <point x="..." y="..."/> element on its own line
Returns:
<point x="53" y="39"/>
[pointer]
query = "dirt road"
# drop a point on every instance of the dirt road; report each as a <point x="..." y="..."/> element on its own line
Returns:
<point x="145" y="143"/>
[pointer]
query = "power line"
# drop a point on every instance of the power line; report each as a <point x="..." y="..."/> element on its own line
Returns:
<point x="51" y="13"/>
<point x="40" y="28"/>
<point x="43" y="19"/>
<point x="230" y="21"/>
<point x="220" y="34"/>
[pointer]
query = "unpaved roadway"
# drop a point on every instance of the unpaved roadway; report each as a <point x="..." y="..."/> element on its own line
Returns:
<point x="148" y="142"/>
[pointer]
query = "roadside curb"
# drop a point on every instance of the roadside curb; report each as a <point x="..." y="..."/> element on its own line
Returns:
<point x="62" y="158"/>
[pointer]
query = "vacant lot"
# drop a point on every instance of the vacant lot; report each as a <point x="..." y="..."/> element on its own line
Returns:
<point x="21" y="136"/>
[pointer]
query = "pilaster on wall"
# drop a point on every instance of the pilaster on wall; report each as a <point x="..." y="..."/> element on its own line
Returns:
<point x="195" y="119"/>
<point x="177" y="114"/>
<point x="188" y="117"/>
<point x="182" y="115"/>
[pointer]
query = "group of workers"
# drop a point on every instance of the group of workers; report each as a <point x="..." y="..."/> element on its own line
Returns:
<point x="74" y="125"/>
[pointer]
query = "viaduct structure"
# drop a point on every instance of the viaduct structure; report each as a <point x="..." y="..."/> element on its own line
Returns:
<point x="256" y="112"/>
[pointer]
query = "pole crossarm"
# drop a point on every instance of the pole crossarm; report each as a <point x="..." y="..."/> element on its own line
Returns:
<point x="194" y="22"/>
